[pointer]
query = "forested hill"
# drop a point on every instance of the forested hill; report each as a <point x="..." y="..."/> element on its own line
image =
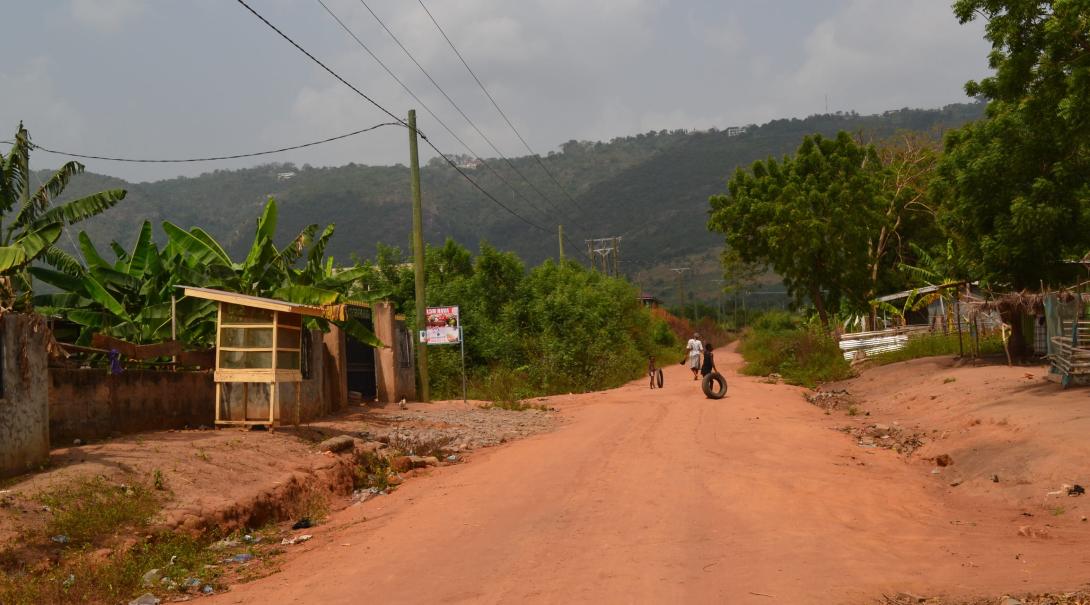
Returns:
<point x="651" y="188"/>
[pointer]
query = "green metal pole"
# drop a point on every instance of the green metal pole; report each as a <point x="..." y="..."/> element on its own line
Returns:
<point x="418" y="258"/>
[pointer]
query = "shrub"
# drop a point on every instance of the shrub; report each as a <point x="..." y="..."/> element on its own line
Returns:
<point x="776" y="344"/>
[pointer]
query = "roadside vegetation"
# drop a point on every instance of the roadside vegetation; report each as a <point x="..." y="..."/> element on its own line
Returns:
<point x="799" y="352"/>
<point x="97" y="543"/>
<point x="556" y="328"/>
<point x="932" y="345"/>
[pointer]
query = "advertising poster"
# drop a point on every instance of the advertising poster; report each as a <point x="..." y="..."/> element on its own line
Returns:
<point x="443" y="326"/>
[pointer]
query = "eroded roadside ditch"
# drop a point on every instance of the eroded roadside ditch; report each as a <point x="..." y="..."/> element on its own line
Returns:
<point x="173" y="516"/>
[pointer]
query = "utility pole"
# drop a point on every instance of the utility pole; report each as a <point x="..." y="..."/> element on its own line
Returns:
<point x="418" y="258"/>
<point x="609" y="248"/>
<point x="560" y="240"/>
<point x="681" y="287"/>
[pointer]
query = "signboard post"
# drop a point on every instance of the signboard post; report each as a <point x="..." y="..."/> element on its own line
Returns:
<point x="444" y="327"/>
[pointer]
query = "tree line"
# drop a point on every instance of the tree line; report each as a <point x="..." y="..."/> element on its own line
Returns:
<point x="1004" y="200"/>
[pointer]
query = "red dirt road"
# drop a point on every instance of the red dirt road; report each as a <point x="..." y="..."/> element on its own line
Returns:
<point x="667" y="497"/>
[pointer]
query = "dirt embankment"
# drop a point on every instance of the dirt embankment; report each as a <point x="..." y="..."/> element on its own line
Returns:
<point x="1003" y="432"/>
<point x="231" y="479"/>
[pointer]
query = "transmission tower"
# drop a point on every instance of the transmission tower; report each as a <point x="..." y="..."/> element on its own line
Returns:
<point x="605" y="254"/>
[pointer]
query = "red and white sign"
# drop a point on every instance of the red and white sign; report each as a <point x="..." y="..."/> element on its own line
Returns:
<point x="443" y="327"/>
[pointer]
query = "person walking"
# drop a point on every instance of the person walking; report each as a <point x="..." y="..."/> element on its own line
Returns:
<point x="694" y="348"/>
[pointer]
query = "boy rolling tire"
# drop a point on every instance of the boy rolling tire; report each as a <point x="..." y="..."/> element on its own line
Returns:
<point x="714" y="386"/>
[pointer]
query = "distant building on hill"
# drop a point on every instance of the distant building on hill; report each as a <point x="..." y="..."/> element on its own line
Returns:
<point x="284" y="176"/>
<point x="469" y="163"/>
<point x="649" y="300"/>
<point x="734" y="131"/>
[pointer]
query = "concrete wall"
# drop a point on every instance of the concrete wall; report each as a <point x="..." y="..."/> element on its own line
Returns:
<point x="94" y="404"/>
<point x="395" y="371"/>
<point x="24" y="407"/>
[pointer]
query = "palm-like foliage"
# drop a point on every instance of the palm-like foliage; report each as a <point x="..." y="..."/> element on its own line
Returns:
<point x="130" y="298"/>
<point x="29" y="222"/>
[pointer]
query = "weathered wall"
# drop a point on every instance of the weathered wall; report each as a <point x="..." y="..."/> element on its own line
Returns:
<point x="315" y="401"/>
<point x="24" y="407"/>
<point x="93" y="404"/>
<point x="395" y="372"/>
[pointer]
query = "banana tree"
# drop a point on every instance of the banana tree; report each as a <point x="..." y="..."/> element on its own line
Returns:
<point x="275" y="272"/>
<point x="129" y="298"/>
<point x="30" y="224"/>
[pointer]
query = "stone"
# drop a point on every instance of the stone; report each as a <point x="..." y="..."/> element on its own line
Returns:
<point x="944" y="460"/>
<point x="401" y="463"/>
<point x="1010" y="601"/>
<point x="145" y="599"/>
<point x="336" y="444"/>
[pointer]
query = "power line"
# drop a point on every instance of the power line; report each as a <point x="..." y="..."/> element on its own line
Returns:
<point x="211" y="158"/>
<point x="391" y="114"/>
<point x="461" y="112"/>
<point x="412" y="94"/>
<point x="497" y="106"/>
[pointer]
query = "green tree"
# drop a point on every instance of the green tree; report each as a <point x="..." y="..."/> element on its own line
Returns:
<point x="1016" y="185"/>
<point x="811" y="218"/>
<point x="37" y="224"/>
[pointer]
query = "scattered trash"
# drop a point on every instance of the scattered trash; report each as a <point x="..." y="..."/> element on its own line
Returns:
<point x="303" y="523"/>
<point x="191" y="583"/>
<point x="77" y="442"/>
<point x="995" y="478"/>
<point x="240" y="558"/>
<point x="936" y="471"/>
<point x="69" y="581"/>
<point x="944" y="460"/>
<point x="1076" y="490"/>
<point x="207" y="589"/>
<point x="224" y="544"/>
<point x="145" y="599"/>
<point x="453" y="458"/>
<point x="296" y="540"/>
<point x="401" y="404"/>
<point x="60" y="538"/>
<point x="151" y="577"/>
<point x="251" y="539"/>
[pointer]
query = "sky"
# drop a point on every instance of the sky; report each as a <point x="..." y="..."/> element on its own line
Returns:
<point x="190" y="78"/>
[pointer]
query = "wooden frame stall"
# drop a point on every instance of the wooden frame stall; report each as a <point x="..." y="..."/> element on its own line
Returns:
<point x="258" y="356"/>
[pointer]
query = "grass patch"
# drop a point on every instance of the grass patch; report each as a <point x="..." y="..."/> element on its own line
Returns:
<point x="932" y="345"/>
<point x="371" y="470"/>
<point x="89" y="509"/>
<point x="778" y="344"/>
<point x="96" y="546"/>
<point x="81" y="578"/>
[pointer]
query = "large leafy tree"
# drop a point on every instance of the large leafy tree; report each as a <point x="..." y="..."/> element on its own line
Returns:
<point x="1016" y="185"/>
<point x="829" y="220"/>
<point x="30" y="224"/>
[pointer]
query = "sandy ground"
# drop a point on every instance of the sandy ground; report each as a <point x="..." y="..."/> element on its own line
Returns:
<point x="665" y="496"/>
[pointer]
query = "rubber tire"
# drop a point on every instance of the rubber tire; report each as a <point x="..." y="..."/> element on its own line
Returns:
<point x="658" y="377"/>
<point x="710" y="391"/>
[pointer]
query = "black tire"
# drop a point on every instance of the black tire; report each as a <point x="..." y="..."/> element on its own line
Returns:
<point x="658" y="377"/>
<point x="715" y="386"/>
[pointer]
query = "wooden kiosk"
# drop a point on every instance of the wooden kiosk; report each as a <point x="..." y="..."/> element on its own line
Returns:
<point x="259" y="349"/>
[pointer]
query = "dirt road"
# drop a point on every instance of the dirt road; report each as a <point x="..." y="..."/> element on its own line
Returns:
<point x="667" y="497"/>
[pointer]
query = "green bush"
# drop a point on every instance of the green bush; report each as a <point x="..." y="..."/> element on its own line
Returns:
<point x="777" y="344"/>
<point x="557" y="328"/>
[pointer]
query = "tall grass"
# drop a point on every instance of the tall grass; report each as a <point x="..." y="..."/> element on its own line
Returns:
<point x="779" y="343"/>
<point x="932" y="345"/>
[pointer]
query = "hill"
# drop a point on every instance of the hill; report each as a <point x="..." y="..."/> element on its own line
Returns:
<point x="650" y="188"/>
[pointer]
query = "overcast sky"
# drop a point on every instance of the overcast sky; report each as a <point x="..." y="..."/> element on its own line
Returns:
<point x="181" y="78"/>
